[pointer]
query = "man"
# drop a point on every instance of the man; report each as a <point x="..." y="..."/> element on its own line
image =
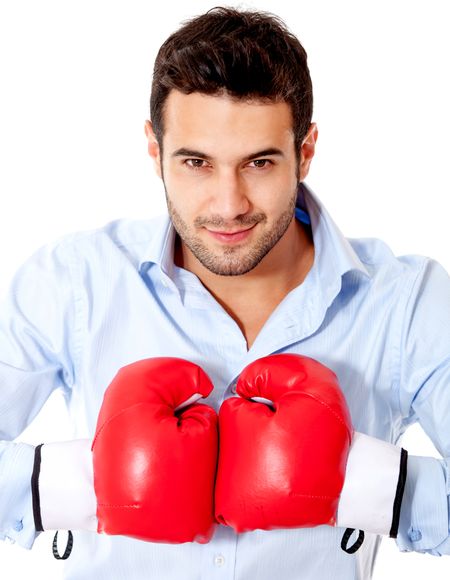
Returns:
<point x="248" y="263"/>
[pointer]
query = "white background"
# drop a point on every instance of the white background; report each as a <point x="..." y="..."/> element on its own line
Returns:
<point x="75" y="80"/>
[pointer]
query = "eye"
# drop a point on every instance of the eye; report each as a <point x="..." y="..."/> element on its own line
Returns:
<point x="262" y="163"/>
<point x="196" y="163"/>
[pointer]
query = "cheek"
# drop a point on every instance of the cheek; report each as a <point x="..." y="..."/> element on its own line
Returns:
<point x="183" y="193"/>
<point x="182" y="209"/>
<point x="189" y="205"/>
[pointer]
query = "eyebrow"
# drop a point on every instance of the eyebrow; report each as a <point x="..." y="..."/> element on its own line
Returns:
<point x="184" y="152"/>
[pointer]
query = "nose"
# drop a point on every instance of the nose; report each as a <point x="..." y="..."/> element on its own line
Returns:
<point x="229" y="196"/>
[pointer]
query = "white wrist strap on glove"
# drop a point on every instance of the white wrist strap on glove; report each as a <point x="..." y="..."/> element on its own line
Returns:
<point x="63" y="486"/>
<point x="373" y="488"/>
<point x="64" y="496"/>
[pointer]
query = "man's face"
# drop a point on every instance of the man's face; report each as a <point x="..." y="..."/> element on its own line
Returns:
<point x="227" y="166"/>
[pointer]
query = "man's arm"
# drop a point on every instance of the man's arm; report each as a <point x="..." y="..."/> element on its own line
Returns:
<point x="424" y="396"/>
<point x="36" y="357"/>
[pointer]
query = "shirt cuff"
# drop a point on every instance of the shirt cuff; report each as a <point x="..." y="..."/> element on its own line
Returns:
<point x="424" y="518"/>
<point x="16" y="511"/>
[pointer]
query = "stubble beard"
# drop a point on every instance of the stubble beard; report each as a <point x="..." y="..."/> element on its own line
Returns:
<point x="232" y="261"/>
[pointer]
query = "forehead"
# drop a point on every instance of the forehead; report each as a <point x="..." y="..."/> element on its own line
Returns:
<point x="215" y="121"/>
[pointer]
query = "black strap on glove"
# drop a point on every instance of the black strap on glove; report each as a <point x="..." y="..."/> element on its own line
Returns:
<point x="399" y="493"/>
<point x="35" y="489"/>
<point x="346" y="537"/>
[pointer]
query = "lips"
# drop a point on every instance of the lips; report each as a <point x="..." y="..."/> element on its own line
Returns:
<point x="228" y="237"/>
<point x="231" y="233"/>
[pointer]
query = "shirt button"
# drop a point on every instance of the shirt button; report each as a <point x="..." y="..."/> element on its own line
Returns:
<point x="233" y="387"/>
<point x="219" y="560"/>
<point x="18" y="526"/>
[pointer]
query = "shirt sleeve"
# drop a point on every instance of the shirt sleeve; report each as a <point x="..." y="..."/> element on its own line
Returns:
<point x="424" y="396"/>
<point x="37" y="350"/>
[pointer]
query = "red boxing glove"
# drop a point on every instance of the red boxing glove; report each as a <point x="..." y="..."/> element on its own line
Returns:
<point x="155" y="463"/>
<point x="283" y="465"/>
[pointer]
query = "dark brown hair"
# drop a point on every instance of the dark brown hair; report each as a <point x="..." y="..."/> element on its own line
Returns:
<point x="248" y="55"/>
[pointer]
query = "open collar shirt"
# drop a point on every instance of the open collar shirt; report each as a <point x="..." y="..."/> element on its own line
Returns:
<point x="94" y="301"/>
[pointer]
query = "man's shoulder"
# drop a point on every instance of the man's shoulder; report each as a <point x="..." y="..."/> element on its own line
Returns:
<point x="121" y="231"/>
<point x="380" y="260"/>
<point x="128" y="237"/>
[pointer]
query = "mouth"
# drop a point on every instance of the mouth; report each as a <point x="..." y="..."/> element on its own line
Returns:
<point x="230" y="237"/>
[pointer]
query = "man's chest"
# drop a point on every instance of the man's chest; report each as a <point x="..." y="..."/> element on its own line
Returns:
<point x="356" y="348"/>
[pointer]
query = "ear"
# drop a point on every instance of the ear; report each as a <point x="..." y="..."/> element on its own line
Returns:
<point x="307" y="150"/>
<point x="153" y="147"/>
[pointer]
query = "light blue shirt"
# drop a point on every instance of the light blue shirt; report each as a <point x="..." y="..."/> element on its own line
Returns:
<point x="94" y="301"/>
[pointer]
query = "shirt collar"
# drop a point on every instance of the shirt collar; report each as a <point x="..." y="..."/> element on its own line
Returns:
<point x="161" y="247"/>
<point x="333" y="249"/>
<point x="334" y="253"/>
